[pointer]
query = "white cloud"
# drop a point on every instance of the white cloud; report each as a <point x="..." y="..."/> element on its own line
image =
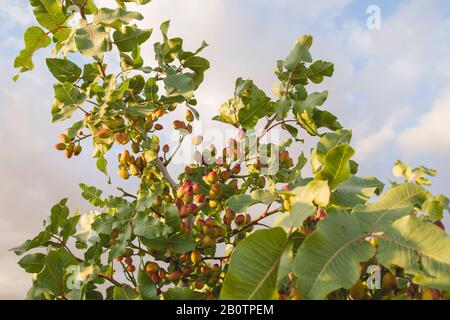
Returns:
<point x="374" y="142"/>
<point x="432" y="132"/>
<point x="16" y="12"/>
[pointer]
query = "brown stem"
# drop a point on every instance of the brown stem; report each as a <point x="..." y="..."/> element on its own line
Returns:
<point x="126" y="194"/>
<point x="110" y="279"/>
<point x="165" y="173"/>
<point x="101" y="69"/>
<point x="264" y="215"/>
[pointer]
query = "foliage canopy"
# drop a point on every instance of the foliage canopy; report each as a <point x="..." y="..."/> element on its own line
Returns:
<point x="163" y="242"/>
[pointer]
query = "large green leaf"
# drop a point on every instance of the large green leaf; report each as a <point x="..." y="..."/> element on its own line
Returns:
<point x="109" y="16"/>
<point x="35" y="38"/>
<point x="395" y="203"/>
<point x="37" y="241"/>
<point x="182" y="84"/>
<point x="146" y="287"/>
<point x="33" y="263"/>
<point x="320" y="69"/>
<point x="331" y="140"/>
<point x="125" y="293"/>
<point x="52" y="276"/>
<point x="241" y="202"/>
<point x="130" y="37"/>
<point x="253" y="270"/>
<point x="63" y="70"/>
<point x="336" y="168"/>
<point x="48" y="13"/>
<point x="197" y="64"/>
<point x="300" y="53"/>
<point x="257" y="106"/>
<point x="178" y="293"/>
<point x="58" y="216"/>
<point x="356" y="191"/>
<point x="68" y="94"/>
<point x="176" y="243"/>
<point x="92" y="41"/>
<point x="146" y="226"/>
<point x="248" y="105"/>
<point x="329" y="259"/>
<point x="419" y="247"/>
<point x="306" y="200"/>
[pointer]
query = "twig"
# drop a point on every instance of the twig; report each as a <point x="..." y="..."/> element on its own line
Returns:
<point x="280" y="123"/>
<point x="126" y="194"/>
<point x="180" y="141"/>
<point x="165" y="173"/>
<point x="110" y="279"/>
<point x="264" y="215"/>
<point x="101" y="69"/>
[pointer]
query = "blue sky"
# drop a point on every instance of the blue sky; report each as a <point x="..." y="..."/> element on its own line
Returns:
<point x="391" y="86"/>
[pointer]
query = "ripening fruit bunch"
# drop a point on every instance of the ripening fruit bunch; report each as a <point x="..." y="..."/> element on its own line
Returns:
<point x="131" y="165"/>
<point x="68" y="145"/>
<point x="188" y="269"/>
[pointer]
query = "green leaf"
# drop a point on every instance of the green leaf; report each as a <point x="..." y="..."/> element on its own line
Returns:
<point x="325" y="119"/>
<point x="331" y="140"/>
<point x="88" y="5"/>
<point x="263" y="196"/>
<point x="69" y="95"/>
<point x="240" y="203"/>
<point x="300" y="53"/>
<point x="183" y="294"/>
<point x="63" y="70"/>
<point x="176" y="244"/>
<point x="172" y="217"/>
<point x="92" y="194"/>
<point x="92" y="41"/>
<point x="182" y="84"/>
<point x="75" y="128"/>
<point x="306" y="200"/>
<point x="130" y="38"/>
<point x="53" y="274"/>
<point x="33" y="263"/>
<point x="122" y="242"/>
<point x="253" y="269"/>
<point x="320" y="69"/>
<point x="125" y="293"/>
<point x="420" y="248"/>
<point x="395" y="203"/>
<point x="314" y="100"/>
<point x="336" y="168"/>
<point x="102" y="166"/>
<point x="146" y="226"/>
<point x="35" y="38"/>
<point x="90" y="72"/>
<point x="197" y="64"/>
<point x="256" y="103"/>
<point x="69" y="228"/>
<point x="137" y="1"/>
<point x="311" y="118"/>
<point x="146" y="287"/>
<point x="59" y="215"/>
<point x="356" y="191"/>
<point x="37" y="241"/>
<point x="329" y="259"/>
<point x="109" y="16"/>
<point x="48" y="13"/>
